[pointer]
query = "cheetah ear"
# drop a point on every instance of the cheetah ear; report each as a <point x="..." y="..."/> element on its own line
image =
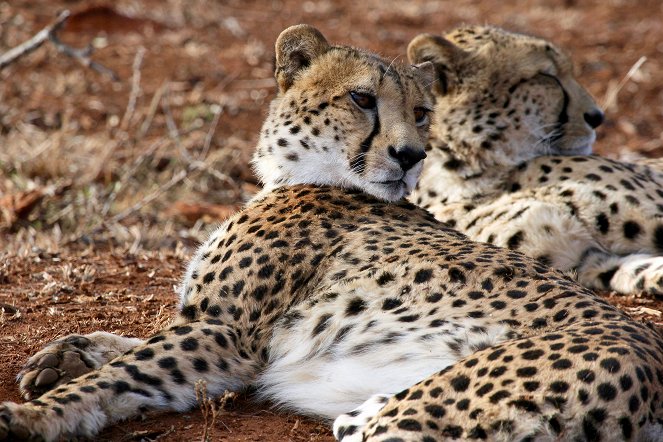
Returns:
<point x="426" y="73"/>
<point x="296" y="47"/>
<point x="444" y="55"/>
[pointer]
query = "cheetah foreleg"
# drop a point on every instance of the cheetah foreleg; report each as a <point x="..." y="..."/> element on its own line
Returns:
<point x="159" y="374"/>
<point x="349" y="427"/>
<point x="628" y="274"/>
<point x="65" y="359"/>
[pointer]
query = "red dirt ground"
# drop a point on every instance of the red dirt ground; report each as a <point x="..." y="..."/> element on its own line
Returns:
<point x="221" y="52"/>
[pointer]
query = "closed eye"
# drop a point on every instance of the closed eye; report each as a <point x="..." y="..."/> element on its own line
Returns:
<point x="364" y="100"/>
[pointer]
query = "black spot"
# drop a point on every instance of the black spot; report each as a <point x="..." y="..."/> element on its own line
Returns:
<point x="460" y="383"/>
<point x="611" y="365"/>
<point x="120" y="387"/>
<point x="531" y="355"/>
<point x="607" y="391"/>
<point x="189" y="312"/>
<point x="531" y="385"/>
<point x="183" y="330"/>
<point x="189" y="344"/>
<point x="409" y="425"/>
<point x="498" y="305"/>
<point x="586" y="376"/>
<point x="559" y="387"/>
<point x="603" y="223"/>
<point x="167" y="362"/>
<point x="145" y="354"/>
<point x="463" y="404"/>
<point x="658" y="237"/>
<point x="626" y="426"/>
<point x="200" y="365"/>
<point x="452" y="431"/>
<point x="435" y="411"/>
<point x="209" y="277"/>
<point x="356" y="306"/>
<point x="498" y="396"/>
<point x="591" y="433"/>
<point x="625" y="382"/>
<point x="514" y="241"/>
<point x="385" y="278"/>
<point x="422" y="276"/>
<point x="486" y="388"/>
<point x="526" y="372"/>
<point x="526" y="405"/>
<point x="561" y="364"/>
<point x="456" y="275"/>
<point x="632" y="229"/>
<point x="323" y="322"/>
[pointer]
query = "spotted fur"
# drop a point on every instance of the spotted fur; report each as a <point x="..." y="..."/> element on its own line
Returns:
<point x="323" y="296"/>
<point x="508" y="163"/>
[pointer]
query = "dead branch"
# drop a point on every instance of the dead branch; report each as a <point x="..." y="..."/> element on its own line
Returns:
<point x="611" y="95"/>
<point x="135" y="89"/>
<point x="49" y="33"/>
<point x="154" y="105"/>
<point x="34" y="43"/>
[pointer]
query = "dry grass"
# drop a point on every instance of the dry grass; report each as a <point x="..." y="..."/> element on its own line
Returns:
<point x="148" y="161"/>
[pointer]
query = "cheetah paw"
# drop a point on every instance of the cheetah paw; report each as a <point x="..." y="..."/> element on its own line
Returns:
<point x="349" y="427"/>
<point x="70" y="357"/>
<point x="57" y="363"/>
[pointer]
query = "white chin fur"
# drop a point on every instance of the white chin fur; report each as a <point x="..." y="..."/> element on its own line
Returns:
<point x="332" y="171"/>
<point x="579" y="146"/>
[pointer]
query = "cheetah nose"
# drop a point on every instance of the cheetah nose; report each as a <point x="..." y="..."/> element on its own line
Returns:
<point x="407" y="156"/>
<point x="594" y="118"/>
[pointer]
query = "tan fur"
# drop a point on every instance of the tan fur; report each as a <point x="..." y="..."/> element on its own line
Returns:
<point x="501" y="165"/>
<point x="323" y="296"/>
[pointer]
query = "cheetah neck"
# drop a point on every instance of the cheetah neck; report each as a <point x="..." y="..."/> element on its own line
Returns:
<point x="453" y="180"/>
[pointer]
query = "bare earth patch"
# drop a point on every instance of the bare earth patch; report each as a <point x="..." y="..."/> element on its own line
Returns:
<point x="107" y="186"/>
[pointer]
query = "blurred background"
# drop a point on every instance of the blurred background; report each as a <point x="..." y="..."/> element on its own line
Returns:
<point x="147" y="159"/>
<point x="110" y="173"/>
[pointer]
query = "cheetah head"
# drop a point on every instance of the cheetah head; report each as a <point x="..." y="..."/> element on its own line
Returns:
<point x="344" y="117"/>
<point x="504" y="98"/>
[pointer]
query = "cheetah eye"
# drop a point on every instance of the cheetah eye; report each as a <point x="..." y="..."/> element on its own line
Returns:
<point x="363" y="100"/>
<point x="421" y="116"/>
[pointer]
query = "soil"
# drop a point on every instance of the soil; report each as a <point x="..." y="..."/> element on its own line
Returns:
<point x="221" y="52"/>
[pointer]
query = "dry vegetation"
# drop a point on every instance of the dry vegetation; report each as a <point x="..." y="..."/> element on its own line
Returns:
<point x="106" y="185"/>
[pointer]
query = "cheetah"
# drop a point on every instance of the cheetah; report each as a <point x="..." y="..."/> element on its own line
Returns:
<point x="509" y="162"/>
<point x="328" y="289"/>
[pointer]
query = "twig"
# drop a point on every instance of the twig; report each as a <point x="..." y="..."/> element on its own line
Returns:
<point x="135" y="89"/>
<point x="154" y="104"/>
<point x="34" y="43"/>
<point x="129" y="174"/>
<point x="50" y="33"/>
<point x="611" y="95"/>
<point x="210" y="134"/>
<point x="170" y="121"/>
<point x="176" y="179"/>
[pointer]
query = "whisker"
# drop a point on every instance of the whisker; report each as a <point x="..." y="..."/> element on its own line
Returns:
<point x="389" y="67"/>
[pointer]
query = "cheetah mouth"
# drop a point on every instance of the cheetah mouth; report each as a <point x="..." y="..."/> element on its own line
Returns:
<point x="585" y="149"/>
<point x="397" y="182"/>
